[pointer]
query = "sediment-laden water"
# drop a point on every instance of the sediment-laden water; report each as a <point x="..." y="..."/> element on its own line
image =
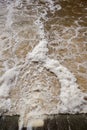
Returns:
<point x="43" y="58"/>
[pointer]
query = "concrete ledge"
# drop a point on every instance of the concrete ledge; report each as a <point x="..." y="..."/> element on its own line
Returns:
<point x="54" y="122"/>
<point x="9" y="122"/>
<point x="64" y="122"/>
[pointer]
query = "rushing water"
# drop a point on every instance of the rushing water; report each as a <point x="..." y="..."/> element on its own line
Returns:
<point x="43" y="58"/>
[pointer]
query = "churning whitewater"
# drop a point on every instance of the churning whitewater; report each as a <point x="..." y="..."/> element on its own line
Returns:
<point x="26" y="83"/>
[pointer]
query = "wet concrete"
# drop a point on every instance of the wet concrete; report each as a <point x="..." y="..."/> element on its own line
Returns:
<point x="54" y="122"/>
<point x="9" y="122"/>
<point x="65" y="122"/>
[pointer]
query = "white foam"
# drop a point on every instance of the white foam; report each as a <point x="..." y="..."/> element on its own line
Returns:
<point x="5" y="105"/>
<point x="18" y="3"/>
<point x="71" y="98"/>
<point x="9" y="16"/>
<point x="52" y="6"/>
<point x="7" y="81"/>
<point x="35" y="123"/>
<point x="39" y="52"/>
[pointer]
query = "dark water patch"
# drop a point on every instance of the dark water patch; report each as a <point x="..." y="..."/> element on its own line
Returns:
<point x="64" y="122"/>
<point x="55" y="122"/>
<point x="9" y="122"/>
<point x="78" y="123"/>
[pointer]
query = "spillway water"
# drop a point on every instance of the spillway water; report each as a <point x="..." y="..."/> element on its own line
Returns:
<point x="43" y="59"/>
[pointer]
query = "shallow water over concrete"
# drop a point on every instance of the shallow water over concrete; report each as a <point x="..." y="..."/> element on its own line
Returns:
<point x="9" y="122"/>
<point x="56" y="122"/>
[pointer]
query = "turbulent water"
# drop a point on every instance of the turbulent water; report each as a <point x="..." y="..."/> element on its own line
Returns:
<point x="43" y="58"/>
